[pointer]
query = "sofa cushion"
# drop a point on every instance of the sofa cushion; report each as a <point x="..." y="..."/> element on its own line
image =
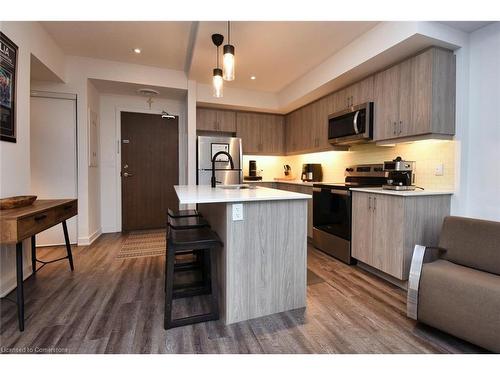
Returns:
<point x="472" y="243"/>
<point x="461" y="301"/>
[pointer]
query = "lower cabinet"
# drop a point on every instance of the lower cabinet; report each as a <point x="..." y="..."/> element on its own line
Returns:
<point x="304" y="189"/>
<point x="386" y="228"/>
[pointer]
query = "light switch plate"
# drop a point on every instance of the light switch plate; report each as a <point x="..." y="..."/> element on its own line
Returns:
<point x="237" y="211"/>
<point x="439" y="170"/>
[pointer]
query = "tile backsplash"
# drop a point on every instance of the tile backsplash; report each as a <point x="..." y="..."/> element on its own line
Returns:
<point x="427" y="155"/>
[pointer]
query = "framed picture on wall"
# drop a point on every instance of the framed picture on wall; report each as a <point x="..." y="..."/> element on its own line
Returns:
<point x="8" y="66"/>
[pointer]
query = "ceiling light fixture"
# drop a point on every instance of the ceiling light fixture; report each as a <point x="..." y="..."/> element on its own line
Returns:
<point x="165" y="114"/>
<point x="228" y="59"/>
<point x="253" y="78"/>
<point x="217" y="80"/>
<point x="137" y="50"/>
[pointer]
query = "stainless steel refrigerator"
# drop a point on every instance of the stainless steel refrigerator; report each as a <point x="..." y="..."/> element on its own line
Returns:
<point x="209" y="146"/>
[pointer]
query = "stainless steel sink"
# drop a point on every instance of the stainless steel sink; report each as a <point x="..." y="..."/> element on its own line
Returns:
<point x="235" y="187"/>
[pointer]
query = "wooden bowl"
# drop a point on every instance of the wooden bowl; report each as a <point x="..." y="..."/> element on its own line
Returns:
<point x="16" y="202"/>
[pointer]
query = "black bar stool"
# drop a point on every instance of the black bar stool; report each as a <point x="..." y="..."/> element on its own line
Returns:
<point x="207" y="241"/>
<point x="182" y="213"/>
<point x="177" y="222"/>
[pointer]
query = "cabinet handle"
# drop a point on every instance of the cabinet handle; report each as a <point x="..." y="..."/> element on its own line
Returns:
<point x="40" y="217"/>
<point x="374" y="204"/>
<point x="369" y="203"/>
<point x="400" y="127"/>
<point x="394" y="128"/>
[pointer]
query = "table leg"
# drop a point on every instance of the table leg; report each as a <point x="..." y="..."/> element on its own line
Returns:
<point x="33" y="253"/>
<point x="68" y="246"/>
<point x="20" y="287"/>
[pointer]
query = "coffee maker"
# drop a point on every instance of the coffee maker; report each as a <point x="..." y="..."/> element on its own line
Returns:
<point x="311" y="173"/>
<point x="400" y="174"/>
<point x="253" y="172"/>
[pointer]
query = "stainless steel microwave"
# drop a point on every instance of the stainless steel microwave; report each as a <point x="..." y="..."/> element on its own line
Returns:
<point x="353" y="125"/>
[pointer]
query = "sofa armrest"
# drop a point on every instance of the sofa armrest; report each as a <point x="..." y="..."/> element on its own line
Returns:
<point x="421" y="255"/>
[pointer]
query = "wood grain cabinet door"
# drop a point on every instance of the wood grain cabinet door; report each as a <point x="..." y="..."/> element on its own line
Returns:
<point x="272" y="128"/>
<point x="226" y="121"/>
<point x="248" y="129"/>
<point x="292" y="132"/>
<point x="386" y="103"/>
<point x="405" y="89"/>
<point x="206" y="119"/>
<point x="362" y="227"/>
<point x="362" y="91"/>
<point x="388" y="231"/>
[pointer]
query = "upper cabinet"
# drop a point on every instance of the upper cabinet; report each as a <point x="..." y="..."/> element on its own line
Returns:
<point x="260" y="133"/>
<point x="413" y="98"/>
<point x="416" y="97"/>
<point x="355" y="94"/>
<point x="209" y="119"/>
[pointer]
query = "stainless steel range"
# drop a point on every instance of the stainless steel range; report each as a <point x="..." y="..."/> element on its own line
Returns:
<point x="332" y="209"/>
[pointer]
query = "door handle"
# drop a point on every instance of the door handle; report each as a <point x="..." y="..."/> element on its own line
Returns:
<point x="127" y="174"/>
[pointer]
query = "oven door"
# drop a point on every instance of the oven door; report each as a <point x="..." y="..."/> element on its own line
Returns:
<point x="352" y="125"/>
<point x="332" y="211"/>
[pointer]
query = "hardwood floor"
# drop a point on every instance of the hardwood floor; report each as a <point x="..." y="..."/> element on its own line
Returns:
<point x="116" y="306"/>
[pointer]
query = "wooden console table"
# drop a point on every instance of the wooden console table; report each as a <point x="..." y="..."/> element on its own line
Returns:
<point x="18" y="224"/>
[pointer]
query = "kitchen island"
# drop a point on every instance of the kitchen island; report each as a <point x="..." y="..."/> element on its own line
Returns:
<point x="262" y="265"/>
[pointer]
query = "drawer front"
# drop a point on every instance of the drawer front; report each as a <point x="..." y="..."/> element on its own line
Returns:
<point x="30" y="225"/>
<point x="66" y="211"/>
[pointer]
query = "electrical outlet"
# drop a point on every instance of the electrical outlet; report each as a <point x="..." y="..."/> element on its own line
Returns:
<point x="237" y="211"/>
<point x="439" y="170"/>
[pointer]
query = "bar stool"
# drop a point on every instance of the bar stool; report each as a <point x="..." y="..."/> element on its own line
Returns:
<point x="207" y="241"/>
<point x="182" y="213"/>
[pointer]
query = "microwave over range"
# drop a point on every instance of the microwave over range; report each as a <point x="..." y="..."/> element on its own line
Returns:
<point x="350" y="126"/>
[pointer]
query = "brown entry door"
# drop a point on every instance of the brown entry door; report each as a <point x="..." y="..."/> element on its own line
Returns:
<point x="150" y="169"/>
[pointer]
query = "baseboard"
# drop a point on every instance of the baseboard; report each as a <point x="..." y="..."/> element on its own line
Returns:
<point x="403" y="284"/>
<point x="10" y="284"/>
<point x="110" y="230"/>
<point x="86" y="241"/>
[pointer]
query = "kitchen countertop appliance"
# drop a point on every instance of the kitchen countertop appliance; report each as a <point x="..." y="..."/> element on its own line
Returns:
<point x="352" y="125"/>
<point x="311" y="173"/>
<point x="253" y="173"/>
<point x="332" y="209"/>
<point x="401" y="174"/>
<point x="207" y="147"/>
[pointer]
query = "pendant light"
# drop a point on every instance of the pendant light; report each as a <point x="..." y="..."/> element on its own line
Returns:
<point x="228" y="59"/>
<point x="217" y="80"/>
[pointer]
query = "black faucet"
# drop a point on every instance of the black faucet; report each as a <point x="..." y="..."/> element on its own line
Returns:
<point x="213" y="164"/>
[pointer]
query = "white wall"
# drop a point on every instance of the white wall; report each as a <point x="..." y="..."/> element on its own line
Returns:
<point x="15" y="172"/>
<point x="483" y="171"/>
<point x="111" y="105"/>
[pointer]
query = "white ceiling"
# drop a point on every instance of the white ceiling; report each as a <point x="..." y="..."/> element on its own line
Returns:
<point x="467" y="26"/>
<point x="163" y="44"/>
<point x="276" y="53"/>
<point x="126" y="88"/>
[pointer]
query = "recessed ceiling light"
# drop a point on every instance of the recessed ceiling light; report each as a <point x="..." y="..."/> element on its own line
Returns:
<point x="253" y="78"/>
<point x="137" y="50"/>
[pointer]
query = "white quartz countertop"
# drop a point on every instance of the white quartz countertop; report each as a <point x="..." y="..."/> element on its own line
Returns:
<point x="191" y="194"/>
<point x="411" y="193"/>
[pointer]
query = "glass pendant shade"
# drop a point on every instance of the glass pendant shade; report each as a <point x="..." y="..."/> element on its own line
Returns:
<point x="217" y="82"/>
<point x="228" y="62"/>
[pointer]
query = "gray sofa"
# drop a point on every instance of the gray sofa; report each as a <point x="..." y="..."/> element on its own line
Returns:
<point x="456" y="286"/>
